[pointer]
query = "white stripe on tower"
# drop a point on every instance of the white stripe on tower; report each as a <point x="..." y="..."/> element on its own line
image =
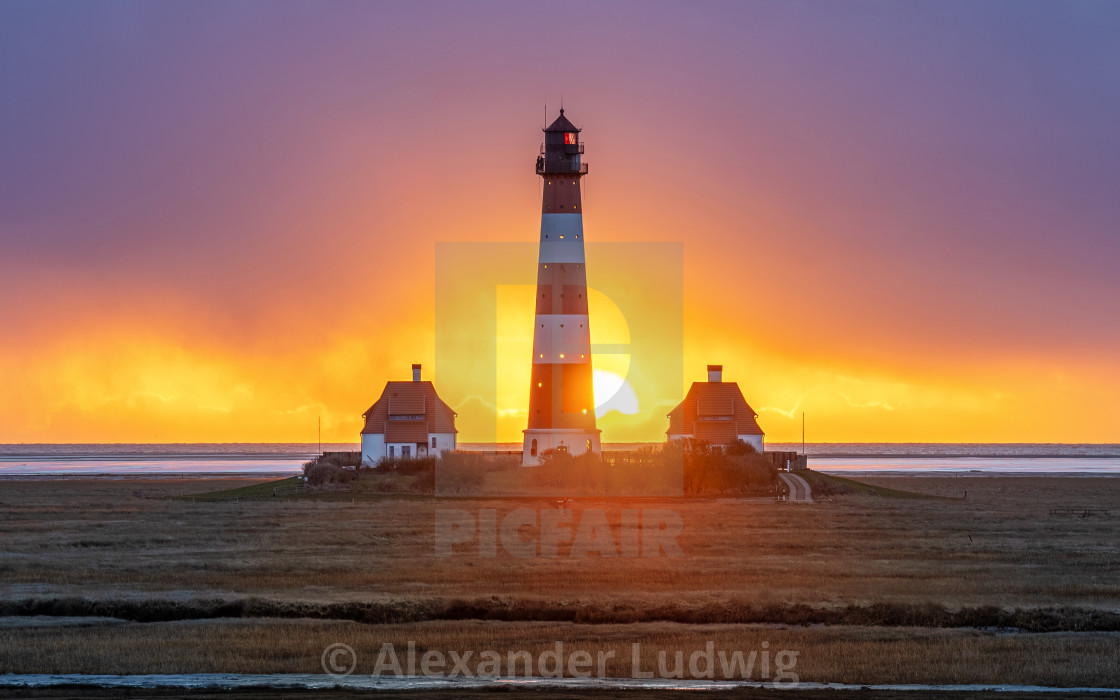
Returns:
<point x="561" y="339"/>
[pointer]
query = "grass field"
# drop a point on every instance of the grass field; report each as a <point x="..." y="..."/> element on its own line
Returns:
<point x="868" y="586"/>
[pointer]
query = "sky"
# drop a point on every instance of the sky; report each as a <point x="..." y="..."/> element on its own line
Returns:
<point x="220" y="221"/>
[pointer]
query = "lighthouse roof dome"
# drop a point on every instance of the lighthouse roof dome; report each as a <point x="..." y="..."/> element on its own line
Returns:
<point x="561" y="124"/>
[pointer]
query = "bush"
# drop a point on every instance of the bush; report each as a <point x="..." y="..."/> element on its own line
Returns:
<point x="324" y="471"/>
<point x="585" y="473"/>
<point x="740" y="448"/>
<point x="643" y="472"/>
<point x="406" y="465"/>
<point x="460" y="472"/>
<point x="710" y="470"/>
<point x="692" y="467"/>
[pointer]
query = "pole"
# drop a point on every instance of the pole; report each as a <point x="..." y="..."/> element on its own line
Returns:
<point x="803" y="433"/>
<point x="320" y="436"/>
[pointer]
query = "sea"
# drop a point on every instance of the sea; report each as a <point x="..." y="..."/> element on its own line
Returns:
<point x="185" y="460"/>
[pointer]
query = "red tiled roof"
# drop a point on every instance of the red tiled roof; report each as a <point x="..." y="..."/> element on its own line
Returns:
<point x="715" y="412"/>
<point x="720" y="403"/>
<point x="409" y="399"/>
<point x="716" y="431"/>
<point x="407" y="404"/>
<point x="406" y="431"/>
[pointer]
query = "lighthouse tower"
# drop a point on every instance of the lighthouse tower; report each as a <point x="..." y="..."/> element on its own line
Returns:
<point x="561" y="400"/>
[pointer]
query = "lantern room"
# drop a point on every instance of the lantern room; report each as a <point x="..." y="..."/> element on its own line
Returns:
<point x="561" y="151"/>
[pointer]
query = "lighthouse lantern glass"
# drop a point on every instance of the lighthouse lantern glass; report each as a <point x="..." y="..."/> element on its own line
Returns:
<point x="569" y="137"/>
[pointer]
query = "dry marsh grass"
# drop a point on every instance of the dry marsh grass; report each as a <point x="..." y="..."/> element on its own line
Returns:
<point x="834" y="654"/>
<point x="999" y="548"/>
<point x="70" y="546"/>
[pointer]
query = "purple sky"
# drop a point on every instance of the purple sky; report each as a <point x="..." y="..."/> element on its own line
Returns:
<point x="943" y="178"/>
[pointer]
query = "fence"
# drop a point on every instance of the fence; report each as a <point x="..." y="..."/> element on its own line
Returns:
<point x="346" y="459"/>
<point x="787" y="461"/>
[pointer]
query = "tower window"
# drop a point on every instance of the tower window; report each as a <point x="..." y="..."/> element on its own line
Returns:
<point x="533" y="448"/>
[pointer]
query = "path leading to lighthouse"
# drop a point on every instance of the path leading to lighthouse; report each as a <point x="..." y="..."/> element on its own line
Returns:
<point x="799" y="490"/>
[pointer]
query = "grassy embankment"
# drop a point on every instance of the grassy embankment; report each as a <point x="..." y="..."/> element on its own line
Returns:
<point x="370" y="484"/>
<point x="828" y="485"/>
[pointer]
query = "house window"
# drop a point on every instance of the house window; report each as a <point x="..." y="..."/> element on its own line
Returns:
<point x="533" y="449"/>
<point x="406" y="451"/>
<point x="433" y="442"/>
<point x="392" y="451"/>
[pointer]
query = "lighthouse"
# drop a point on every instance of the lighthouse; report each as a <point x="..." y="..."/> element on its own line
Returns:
<point x="561" y="398"/>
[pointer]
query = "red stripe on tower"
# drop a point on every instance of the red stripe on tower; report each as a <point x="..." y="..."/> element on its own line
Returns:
<point x="561" y="397"/>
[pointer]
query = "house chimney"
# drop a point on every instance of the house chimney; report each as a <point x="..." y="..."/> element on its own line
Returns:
<point x="715" y="373"/>
<point x="415" y="373"/>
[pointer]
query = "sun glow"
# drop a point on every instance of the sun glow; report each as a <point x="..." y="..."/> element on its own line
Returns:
<point x="613" y="393"/>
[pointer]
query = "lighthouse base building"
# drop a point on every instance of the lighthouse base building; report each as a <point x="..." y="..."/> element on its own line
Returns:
<point x="575" y="442"/>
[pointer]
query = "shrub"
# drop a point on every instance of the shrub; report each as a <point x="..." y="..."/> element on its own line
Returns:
<point x="586" y="473"/>
<point x="740" y="448"/>
<point x="694" y="467"/>
<point x="460" y="472"/>
<point x="324" y="471"/>
<point x="710" y="470"/>
<point x="406" y="465"/>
